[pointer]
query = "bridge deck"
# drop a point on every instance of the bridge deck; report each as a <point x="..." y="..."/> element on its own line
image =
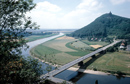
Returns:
<point x="68" y="65"/>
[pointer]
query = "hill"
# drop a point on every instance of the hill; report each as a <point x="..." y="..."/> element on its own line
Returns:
<point x="106" y="25"/>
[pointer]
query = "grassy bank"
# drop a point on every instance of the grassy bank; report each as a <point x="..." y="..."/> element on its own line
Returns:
<point x="110" y="62"/>
<point x="63" y="50"/>
<point x="54" y="51"/>
<point x="81" y="51"/>
<point x="95" y="42"/>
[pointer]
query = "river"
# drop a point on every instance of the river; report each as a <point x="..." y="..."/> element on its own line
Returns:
<point x="67" y="74"/>
<point x="37" y="42"/>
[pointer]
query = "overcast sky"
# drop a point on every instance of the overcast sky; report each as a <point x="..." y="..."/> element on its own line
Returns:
<point x="75" y="14"/>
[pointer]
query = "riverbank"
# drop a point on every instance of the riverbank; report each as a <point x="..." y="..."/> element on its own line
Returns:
<point x="94" y="72"/>
<point x="99" y="61"/>
<point x="75" y="69"/>
<point x="81" y="70"/>
<point x="88" y="71"/>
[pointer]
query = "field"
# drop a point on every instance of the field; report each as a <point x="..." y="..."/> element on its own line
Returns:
<point x="65" y="37"/>
<point x="79" y="44"/>
<point x="94" y="42"/>
<point x="81" y="51"/>
<point x="55" y="51"/>
<point x="113" y="62"/>
<point x="61" y="50"/>
<point x="96" y="46"/>
<point x="65" y="49"/>
<point x="35" y="37"/>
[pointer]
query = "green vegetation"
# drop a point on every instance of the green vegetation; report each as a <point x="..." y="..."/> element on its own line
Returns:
<point x="44" y="52"/>
<point x="80" y="51"/>
<point x="62" y="51"/>
<point x="95" y="42"/>
<point x="110" y="62"/>
<point x="35" y="37"/>
<point x="113" y="48"/>
<point x="83" y="47"/>
<point x="40" y="48"/>
<point x="79" y="44"/>
<point x="105" y="25"/>
<point x="54" y="51"/>
<point x="16" y="69"/>
<point x="114" y="61"/>
<point x="13" y="24"/>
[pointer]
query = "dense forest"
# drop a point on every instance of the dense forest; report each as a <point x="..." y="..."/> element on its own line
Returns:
<point x="106" y="25"/>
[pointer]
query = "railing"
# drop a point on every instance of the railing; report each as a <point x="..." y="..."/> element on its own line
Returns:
<point x="68" y="65"/>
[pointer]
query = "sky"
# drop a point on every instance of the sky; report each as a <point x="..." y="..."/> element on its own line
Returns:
<point x="75" y="14"/>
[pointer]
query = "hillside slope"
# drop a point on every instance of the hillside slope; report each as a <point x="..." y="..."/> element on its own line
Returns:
<point x="105" y="25"/>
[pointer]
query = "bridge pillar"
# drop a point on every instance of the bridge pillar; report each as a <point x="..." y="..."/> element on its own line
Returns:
<point x="80" y="63"/>
<point x="103" y="52"/>
<point x="93" y="56"/>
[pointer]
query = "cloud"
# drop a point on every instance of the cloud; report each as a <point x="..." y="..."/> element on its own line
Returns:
<point x="49" y="15"/>
<point x="90" y="4"/>
<point x="46" y="6"/>
<point x="45" y="14"/>
<point x="116" y="2"/>
<point x="84" y="13"/>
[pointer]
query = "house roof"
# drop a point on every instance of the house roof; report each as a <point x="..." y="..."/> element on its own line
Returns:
<point x="122" y="44"/>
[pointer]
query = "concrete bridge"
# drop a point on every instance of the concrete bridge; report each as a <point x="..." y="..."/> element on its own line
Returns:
<point x="77" y="61"/>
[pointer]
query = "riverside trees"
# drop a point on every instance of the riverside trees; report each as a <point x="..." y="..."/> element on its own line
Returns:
<point x="13" y="24"/>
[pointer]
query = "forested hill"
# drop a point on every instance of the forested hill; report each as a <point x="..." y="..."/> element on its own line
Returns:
<point x="105" y="25"/>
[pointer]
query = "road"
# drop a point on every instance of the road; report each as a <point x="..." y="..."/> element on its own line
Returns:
<point x="70" y="64"/>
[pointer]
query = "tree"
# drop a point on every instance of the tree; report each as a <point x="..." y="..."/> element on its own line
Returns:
<point x="110" y="49"/>
<point x="13" y="26"/>
<point x="49" y="68"/>
<point x="104" y="26"/>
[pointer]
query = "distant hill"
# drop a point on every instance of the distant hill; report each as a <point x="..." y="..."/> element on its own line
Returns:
<point x="105" y="25"/>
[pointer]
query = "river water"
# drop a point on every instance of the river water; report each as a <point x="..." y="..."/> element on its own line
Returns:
<point x="91" y="78"/>
<point x="67" y="74"/>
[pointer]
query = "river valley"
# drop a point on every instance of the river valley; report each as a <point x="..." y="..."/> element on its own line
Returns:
<point x="67" y="74"/>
